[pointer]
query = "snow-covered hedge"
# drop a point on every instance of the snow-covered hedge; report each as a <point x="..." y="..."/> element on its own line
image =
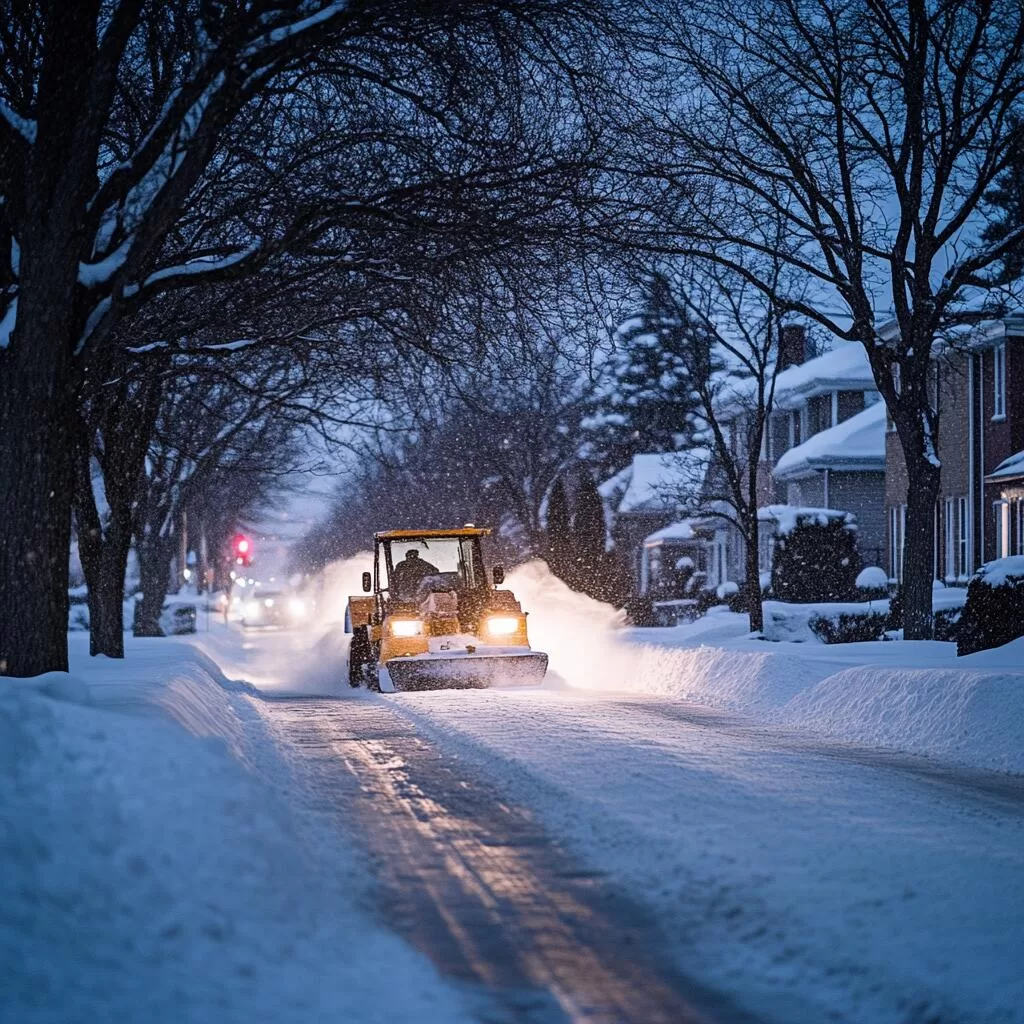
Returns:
<point x="816" y="560"/>
<point x="994" y="613"/>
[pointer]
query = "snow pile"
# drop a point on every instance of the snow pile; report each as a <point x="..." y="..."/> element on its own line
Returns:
<point x="910" y="696"/>
<point x="145" y="875"/>
<point x="975" y="716"/>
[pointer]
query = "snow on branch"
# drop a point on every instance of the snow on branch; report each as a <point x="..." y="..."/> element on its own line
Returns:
<point x="193" y="269"/>
<point x="10" y="318"/>
<point x="24" y="126"/>
<point x="286" y="32"/>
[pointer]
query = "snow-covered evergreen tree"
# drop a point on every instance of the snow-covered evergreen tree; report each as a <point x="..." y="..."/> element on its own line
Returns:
<point x="1006" y="207"/>
<point x="647" y="402"/>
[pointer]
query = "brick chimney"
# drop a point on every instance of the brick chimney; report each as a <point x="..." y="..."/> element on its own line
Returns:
<point x="792" y="346"/>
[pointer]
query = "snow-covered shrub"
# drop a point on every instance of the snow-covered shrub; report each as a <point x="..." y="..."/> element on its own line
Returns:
<point x="727" y="589"/>
<point x="816" y="560"/>
<point x="872" y="584"/>
<point x="850" y="627"/>
<point x="994" y="612"/>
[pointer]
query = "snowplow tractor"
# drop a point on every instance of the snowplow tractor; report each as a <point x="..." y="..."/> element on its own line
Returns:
<point x="432" y="618"/>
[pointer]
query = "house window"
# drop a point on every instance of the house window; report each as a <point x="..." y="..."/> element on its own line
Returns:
<point x="1019" y="504"/>
<point x="795" y="424"/>
<point x="999" y="382"/>
<point x="1002" y="513"/>
<point x="950" y="538"/>
<point x="897" y="535"/>
<point x="963" y="532"/>
<point x="765" y="546"/>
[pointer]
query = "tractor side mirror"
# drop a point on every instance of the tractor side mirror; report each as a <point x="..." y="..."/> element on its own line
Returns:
<point x="498" y="575"/>
<point x="367" y="583"/>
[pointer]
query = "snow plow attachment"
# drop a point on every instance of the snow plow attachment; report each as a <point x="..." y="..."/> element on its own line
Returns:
<point x="469" y="671"/>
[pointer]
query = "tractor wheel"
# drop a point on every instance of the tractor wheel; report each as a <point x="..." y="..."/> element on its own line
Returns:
<point x="360" y="656"/>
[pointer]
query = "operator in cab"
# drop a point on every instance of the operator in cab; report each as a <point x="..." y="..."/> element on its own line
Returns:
<point x="408" y="574"/>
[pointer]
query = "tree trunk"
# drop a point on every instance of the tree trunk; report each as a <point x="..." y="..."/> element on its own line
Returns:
<point x="919" y="549"/>
<point x="37" y="402"/>
<point x="155" y="557"/>
<point x="106" y="634"/>
<point x="36" y="470"/>
<point x="755" y="605"/>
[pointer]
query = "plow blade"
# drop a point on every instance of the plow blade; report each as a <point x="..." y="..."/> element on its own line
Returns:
<point x="468" y="671"/>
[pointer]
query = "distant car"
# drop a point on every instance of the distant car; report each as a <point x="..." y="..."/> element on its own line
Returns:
<point x="273" y="609"/>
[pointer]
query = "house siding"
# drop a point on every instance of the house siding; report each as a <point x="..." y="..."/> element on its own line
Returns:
<point x="863" y="495"/>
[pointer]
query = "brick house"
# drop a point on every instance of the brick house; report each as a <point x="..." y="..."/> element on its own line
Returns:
<point x="980" y="511"/>
<point x="824" y="447"/>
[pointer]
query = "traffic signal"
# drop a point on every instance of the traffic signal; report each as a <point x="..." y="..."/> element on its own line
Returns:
<point x="241" y="547"/>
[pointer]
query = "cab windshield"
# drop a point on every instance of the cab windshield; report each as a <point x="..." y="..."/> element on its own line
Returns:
<point x="412" y="564"/>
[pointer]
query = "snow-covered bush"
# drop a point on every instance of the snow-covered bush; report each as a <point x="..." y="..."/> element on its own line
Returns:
<point x="868" y="623"/>
<point x="994" y="612"/>
<point x="816" y="560"/>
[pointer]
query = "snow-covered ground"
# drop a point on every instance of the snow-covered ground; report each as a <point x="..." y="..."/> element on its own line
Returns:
<point x="158" y="859"/>
<point x="910" y="696"/>
<point x="146" y="874"/>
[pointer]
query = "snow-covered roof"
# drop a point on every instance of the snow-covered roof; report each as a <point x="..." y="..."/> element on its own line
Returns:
<point x="843" y="368"/>
<point x="787" y="517"/>
<point x="857" y="443"/>
<point x="1009" y="468"/>
<point x="658" y="481"/>
<point x="683" y="530"/>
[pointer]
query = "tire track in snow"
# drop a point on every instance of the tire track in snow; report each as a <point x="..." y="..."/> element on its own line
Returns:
<point x="476" y="884"/>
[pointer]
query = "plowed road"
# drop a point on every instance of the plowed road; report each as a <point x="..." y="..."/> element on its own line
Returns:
<point x="600" y="858"/>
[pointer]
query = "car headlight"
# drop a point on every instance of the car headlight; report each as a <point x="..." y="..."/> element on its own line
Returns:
<point x="297" y="607"/>
<point x="252" y="608"/>
<point x="406" y="627"/>
<point x="502" y="625"/>
<point x="269" y="602"/>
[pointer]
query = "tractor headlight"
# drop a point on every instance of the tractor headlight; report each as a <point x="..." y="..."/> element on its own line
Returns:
<point x="502" y="625"/>
<point x="406" y="627"/>
<point x="297" y="608"/>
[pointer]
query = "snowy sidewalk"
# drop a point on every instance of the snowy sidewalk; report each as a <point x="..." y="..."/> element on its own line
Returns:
<point x="146" y="875"/>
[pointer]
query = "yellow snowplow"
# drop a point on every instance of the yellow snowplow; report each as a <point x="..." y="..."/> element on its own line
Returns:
<point x="432" y="618"/>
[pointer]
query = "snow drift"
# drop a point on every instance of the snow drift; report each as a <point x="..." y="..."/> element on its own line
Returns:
<point x="913" y="697"/>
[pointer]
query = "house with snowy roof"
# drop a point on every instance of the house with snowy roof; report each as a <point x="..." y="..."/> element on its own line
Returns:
<point x="979" y="389"/>
<point x="646" y="496"/>
<point x="824" y="448"/>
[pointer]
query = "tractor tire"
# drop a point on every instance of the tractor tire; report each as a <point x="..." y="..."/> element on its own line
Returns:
<point x="360" y="656"/>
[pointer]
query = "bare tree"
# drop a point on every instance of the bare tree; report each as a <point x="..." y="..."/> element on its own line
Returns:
<point x="147" y="147"/>
<point x="873" y="132"/>
<point x="728" y="334"/>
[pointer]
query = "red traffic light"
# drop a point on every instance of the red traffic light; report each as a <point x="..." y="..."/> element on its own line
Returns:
<point x="242" y="548"/>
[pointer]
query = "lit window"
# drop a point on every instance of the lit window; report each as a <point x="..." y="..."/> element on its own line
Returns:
<point x="1002" y="511"/>
<point x="950" y="535"/>
<point x="999" y="382"/>
<point x="962" y="537"/>
<point x="897" y="534"/>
